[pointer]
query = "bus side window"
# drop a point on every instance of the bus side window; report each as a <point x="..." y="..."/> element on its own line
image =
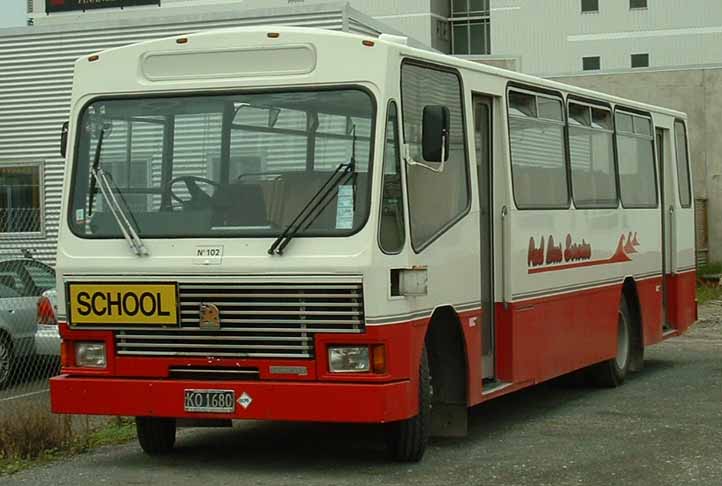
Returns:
<point x="635" y="149"/>
<point x="436" y="199"/>
<point x="680" y="136"/>
<point x="538" y="160"/>
<point x="391" y="231"/>
<point x="591" y="150"/>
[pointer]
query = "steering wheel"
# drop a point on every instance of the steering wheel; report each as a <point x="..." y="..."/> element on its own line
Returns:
<point x="200" y="199"/>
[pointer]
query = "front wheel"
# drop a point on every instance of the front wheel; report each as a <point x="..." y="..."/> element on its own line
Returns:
<point x="611" y="373"/>
<point x="407" y="439"/>
<point x="155" y="435"/>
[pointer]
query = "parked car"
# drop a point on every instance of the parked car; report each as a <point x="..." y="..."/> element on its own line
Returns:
<point x="22" y="282"/>
<point x="47" y="337"/>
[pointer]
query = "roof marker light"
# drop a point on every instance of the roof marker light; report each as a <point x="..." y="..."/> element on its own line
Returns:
<point x="368" y="43"/>
<point x="273" y="35"/>
<point x="93" y="58"/>
<point x="181" y="40"/>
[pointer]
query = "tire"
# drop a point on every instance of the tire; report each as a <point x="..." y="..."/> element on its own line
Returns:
<point x="155" y="435"/>
<point x="611" y="373"/>
<point x="407" y="439"/>
<point x="7" y="361"/>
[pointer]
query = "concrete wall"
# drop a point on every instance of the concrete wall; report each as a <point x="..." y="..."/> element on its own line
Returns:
<point x="698" y="92"/>
<point x="552" y="36"/>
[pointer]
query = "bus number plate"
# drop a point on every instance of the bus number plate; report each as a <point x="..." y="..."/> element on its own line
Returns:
<point x="211" y="401"/>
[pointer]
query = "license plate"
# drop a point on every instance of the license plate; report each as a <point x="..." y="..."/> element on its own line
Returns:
<point x="213" y="401"/>
<point x="123" y="304"/>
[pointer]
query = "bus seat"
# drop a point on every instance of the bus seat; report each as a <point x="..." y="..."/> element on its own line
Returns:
<point x="239" y="205"/>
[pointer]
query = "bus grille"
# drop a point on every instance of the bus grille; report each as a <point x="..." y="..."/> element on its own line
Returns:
<point x="256" y="321"/>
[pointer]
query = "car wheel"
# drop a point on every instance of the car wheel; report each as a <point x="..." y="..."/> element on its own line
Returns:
<point x="407" y="439"/>
<point x="612" y="373"/>
<point x="7" y="361"/>
<point x="155" y="435"/>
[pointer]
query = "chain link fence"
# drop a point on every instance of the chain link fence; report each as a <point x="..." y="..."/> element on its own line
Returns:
<point x="29" y="340"/>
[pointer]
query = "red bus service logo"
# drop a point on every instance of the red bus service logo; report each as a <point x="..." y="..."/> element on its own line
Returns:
<point x="548" y="256"/>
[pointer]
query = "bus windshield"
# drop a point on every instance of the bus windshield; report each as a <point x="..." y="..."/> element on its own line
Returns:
<point x="223" y="165"/>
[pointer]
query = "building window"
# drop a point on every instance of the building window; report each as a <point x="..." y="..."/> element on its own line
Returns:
<point x="593" y="63"/>
<point x="634" y="4"/>
<point x="589" y="6"/>
<point x="470" y="26"/>
<point x="640" y="60"/>
<point x="20" y="198"/>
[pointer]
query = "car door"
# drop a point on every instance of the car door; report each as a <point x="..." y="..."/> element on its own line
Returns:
<point x="18" y="305"/>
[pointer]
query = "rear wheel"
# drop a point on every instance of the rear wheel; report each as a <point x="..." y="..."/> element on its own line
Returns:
<point x="407" y="439"/>
<point x="156" y="435"/>
<point x="7" y="361"/>
<point x="612" y="373"/>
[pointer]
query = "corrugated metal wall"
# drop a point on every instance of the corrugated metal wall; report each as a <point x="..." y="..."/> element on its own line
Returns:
<point x="35" y="85"/>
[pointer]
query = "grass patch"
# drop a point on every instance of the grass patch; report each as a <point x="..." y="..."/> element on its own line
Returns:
<point x="707" y="293"/>
<point x="708" y="287"/>
<point x="31" y="435"/>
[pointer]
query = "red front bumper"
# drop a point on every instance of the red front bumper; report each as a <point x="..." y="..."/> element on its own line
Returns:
<point x="297" y="401"/>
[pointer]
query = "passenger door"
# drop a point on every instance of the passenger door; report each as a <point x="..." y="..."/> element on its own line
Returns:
<point x="667" y="208"/>
<point x="484" y="165"/>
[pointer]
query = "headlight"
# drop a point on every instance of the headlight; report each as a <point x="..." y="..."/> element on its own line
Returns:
<point x="90" y="355"/>
<point x="348" y="359"/>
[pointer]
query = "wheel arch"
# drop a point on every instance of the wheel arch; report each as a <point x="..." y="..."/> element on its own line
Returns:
<point x="447" y="354"/>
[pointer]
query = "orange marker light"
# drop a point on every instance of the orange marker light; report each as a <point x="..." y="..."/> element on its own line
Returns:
<point x="66" y="354"/>
<point x="378" y="358"/>
<point x="368" y="43"/>
<point x="181" y="40"/>
<point x="93" y="58"/>
<point x="273" y="35"/>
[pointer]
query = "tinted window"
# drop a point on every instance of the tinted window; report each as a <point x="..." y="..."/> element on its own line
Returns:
<point x="635" y="148"/>
<point x="590" y="5"/>
<point x="685" y="192"/>
<point x="640" y="60"/>
<point x="435" y="199"/>
<point x="391" y="232"/>
<point x="591" y="153"/>
<point x="537" y="151"/>
<point x="593" y="63"/>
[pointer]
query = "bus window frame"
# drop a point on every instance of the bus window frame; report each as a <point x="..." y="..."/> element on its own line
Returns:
<point x="547" y="93"/>
<point x="208" y="92"/>
<point x="456" y="72"/>
<point x="634" y="112"/>
<point x="402" y="177"/>
<point x="600" y="105"/>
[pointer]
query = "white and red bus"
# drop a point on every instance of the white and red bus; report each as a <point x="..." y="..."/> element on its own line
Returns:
<point x="302" y="225"/>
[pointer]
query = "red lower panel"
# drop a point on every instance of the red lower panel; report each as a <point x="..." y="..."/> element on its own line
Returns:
<point x="547" y="337"/>
<point x="682" y="296"/>
<point x="649" y="292"/>
<point x="300" y="401"/>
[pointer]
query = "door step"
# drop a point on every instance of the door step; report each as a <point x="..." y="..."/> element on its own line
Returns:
<point x="495" y="386"/>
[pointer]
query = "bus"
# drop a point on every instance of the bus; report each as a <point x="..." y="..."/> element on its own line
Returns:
<point x="292" y="224"/>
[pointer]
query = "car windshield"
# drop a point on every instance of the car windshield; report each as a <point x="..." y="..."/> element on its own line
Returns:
<point x="223" y="165"/>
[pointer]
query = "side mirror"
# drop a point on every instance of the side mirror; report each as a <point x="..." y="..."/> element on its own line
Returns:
<point x="435" y="133"/>
<point x="64" y="139"/>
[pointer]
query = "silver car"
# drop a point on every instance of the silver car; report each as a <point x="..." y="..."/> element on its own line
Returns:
<point x="22" y="282"/>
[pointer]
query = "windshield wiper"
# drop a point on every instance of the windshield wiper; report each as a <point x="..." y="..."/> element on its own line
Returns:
<point x="119" y="213"/>
<point x="308" y="214"/>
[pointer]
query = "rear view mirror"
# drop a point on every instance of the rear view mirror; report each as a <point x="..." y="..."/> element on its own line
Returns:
<point x="435" y="133"/>
<point x="64" y="139"/>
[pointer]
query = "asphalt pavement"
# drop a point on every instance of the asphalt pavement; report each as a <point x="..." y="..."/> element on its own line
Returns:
<point x="663" y="427"/>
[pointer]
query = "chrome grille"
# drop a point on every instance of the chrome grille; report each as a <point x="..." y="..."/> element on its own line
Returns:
<point x="273" y="320"/>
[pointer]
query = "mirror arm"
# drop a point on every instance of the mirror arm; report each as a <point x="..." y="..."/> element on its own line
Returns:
<point x="410" y="160"/>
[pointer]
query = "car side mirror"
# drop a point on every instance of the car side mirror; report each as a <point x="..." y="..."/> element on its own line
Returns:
<point x="64" y="139"/>
<point x="435" y="133"/>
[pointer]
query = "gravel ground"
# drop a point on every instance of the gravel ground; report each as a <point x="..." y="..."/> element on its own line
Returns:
<point x="663" y="427"/>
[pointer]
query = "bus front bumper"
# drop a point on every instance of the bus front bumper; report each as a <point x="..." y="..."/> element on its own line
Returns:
<point x="288" y="401"/>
